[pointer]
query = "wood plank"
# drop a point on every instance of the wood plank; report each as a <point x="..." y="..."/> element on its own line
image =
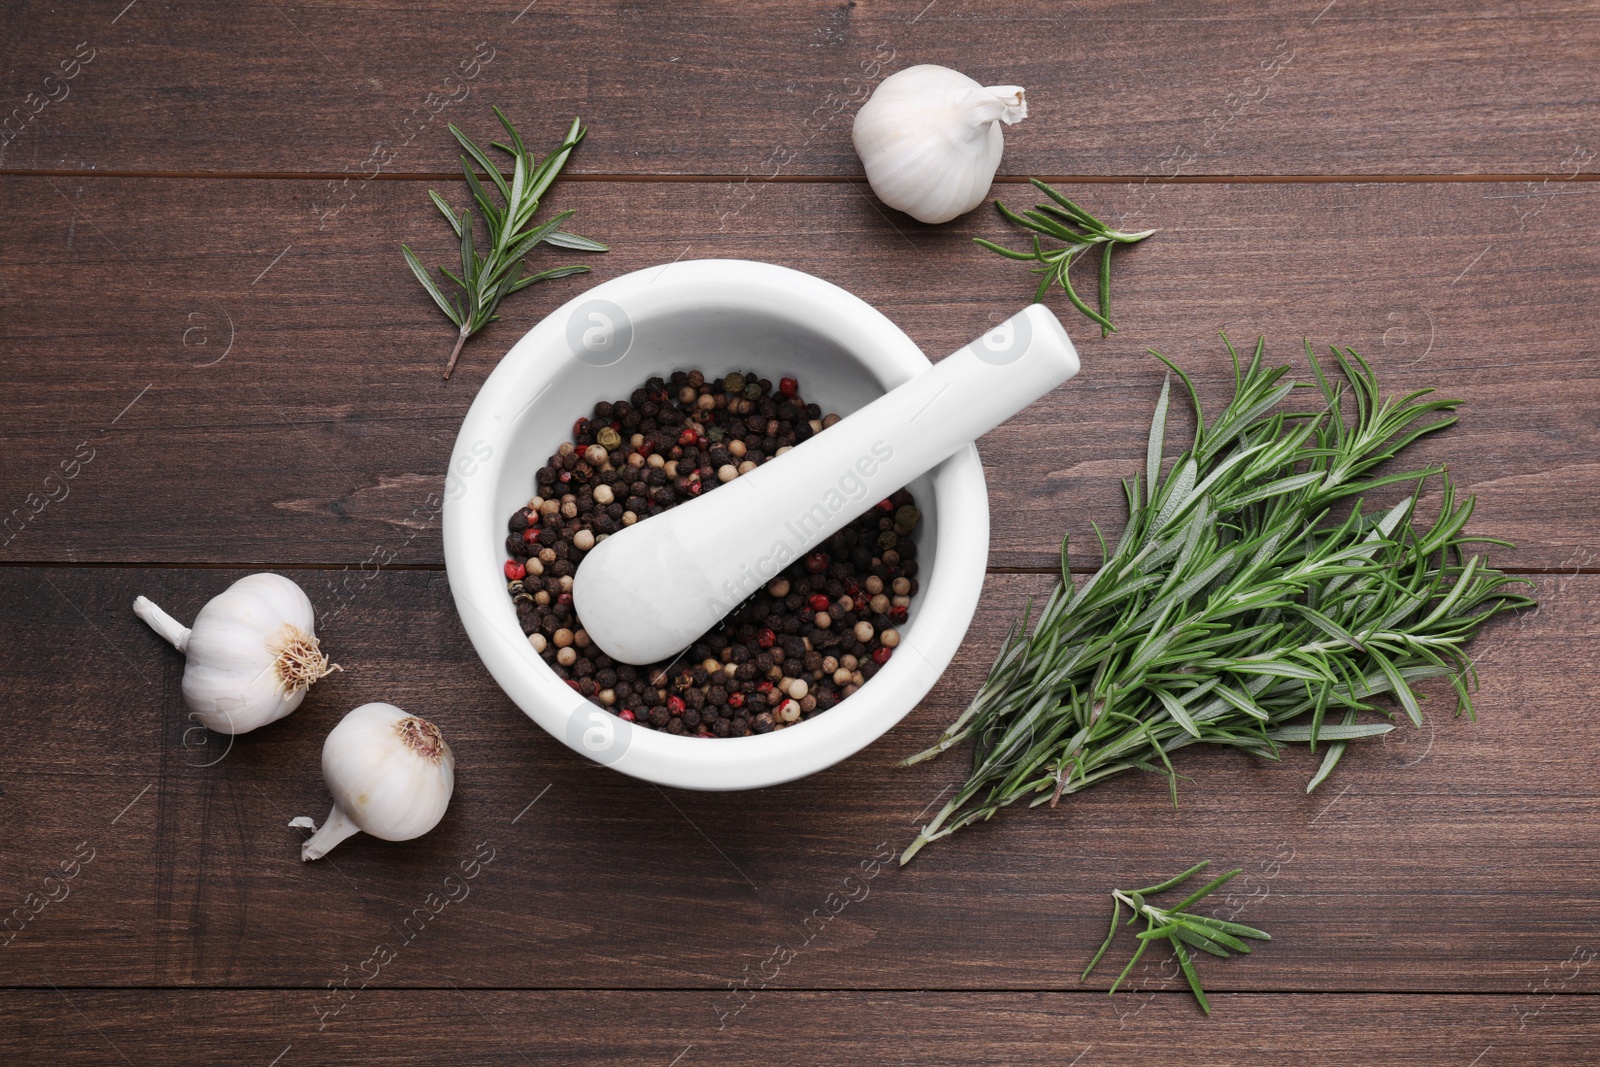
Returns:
<point x="286" y="404"/>
<point x="825" y="1029"/>
<point x="1453" y="859"/>
<point x="1153" y="88"/>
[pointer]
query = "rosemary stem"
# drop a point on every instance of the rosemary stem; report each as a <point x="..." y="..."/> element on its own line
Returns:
<point x="461" y="339"/>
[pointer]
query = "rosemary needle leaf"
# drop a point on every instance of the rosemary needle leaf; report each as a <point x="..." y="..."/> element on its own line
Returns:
<point x="490" y="275"/>
<point x="1188" y="972"/>
<point x="1077" y="231"/>
<point x="1189" y="936"/>
<point x="427" y="283"/>
<point x="1123" y="977"/>
<point x="1116" y="914"/>
<point x="1207" y="889"/>
<point x="1252" y="594"/>
<point x="562" y="239"/>
<point x="1175" y="880"/>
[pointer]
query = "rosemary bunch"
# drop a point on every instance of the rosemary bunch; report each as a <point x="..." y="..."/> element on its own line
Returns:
<point x="488" y="277"/>
<point x="1182" y="928"/>
<point x="1061" y="220"/>
<point x="1238" y="608"/>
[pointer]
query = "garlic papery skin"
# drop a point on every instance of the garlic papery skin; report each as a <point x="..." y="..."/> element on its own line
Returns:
<point x="929" y="138"/>
<point x="391" y="775"/>
<point x="252" y="652"/>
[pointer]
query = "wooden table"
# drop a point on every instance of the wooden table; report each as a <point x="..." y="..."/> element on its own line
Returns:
<point x="216" y="363"/>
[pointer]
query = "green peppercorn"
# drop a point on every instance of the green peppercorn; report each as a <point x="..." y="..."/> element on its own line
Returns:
<point x="733" y="384"/>
<point x="905" y="520"/>
<point x="887" y="540"/>
<point x="611" y="440"/>
<point x="752" y="391"/>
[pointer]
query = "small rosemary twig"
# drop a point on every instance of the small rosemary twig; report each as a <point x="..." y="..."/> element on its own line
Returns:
<point x="488" y="277"/>
<point x="1062" y="220"/>
<point x="1179" y="926"/>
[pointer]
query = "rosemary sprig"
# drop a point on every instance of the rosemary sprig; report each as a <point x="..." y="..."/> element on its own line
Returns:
<point x="490" y="276"/>
<point x="1239" y="608"/>
<point x="1062" y="220"/>
<point x="1180" y="927"/>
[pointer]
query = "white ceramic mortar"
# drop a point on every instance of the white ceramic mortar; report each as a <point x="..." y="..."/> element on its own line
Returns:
<point x="716" y="316"/>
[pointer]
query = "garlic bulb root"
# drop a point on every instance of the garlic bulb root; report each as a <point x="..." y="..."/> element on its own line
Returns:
<point x="301" y="661"/>
<point x="251" y="655"/>
<point x="391" y="776"/>
<point x="929" y="138"/>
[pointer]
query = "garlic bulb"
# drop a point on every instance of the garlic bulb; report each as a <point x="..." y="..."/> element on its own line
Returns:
<point x="252" y="652"/>
<point x="929" y="138"/>
<point x="391" y="775"/>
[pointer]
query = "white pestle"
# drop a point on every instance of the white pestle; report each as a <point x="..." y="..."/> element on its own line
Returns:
<point x="649" y="591"/>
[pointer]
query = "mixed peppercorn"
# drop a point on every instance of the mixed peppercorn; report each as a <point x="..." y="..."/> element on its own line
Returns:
<point x="813" y="636"/>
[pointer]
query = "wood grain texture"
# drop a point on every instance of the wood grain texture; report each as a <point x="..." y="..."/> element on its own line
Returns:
<point x="294" y="412"/>
<point x="471" y="1028"/>
<point x="767" y="88"/>
<point x="1455" y="859"/>
<point x="214" y="361"/>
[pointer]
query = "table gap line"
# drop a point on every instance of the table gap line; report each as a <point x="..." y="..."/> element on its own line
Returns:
<point x="829" y="179"/>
